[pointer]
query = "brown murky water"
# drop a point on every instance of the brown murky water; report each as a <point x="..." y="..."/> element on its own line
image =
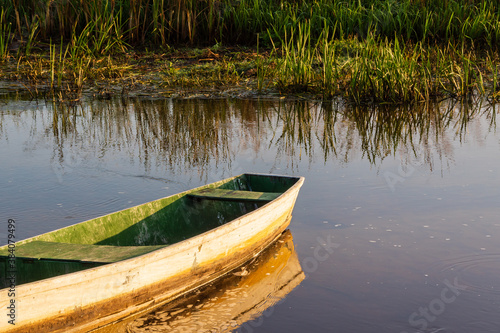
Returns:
<point x="397" y="228"/>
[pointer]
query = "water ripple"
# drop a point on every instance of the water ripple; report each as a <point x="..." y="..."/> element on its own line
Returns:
<point x="478" y="273"/>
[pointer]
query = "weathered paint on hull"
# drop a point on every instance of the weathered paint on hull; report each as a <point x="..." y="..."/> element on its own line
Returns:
<point x="227" y="304"/>
<point x="109" y="292"/>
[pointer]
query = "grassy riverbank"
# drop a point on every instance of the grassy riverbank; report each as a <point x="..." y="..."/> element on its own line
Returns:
<point x="384" y="51"/>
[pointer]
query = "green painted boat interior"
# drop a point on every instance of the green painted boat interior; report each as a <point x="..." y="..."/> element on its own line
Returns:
<point x="138" y="230"/>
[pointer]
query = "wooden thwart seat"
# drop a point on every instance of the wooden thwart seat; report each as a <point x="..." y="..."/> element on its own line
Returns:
<point x="81" y="252"/>
<point x="234" y="195"/>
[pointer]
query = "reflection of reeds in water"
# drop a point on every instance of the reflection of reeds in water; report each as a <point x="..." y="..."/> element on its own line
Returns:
<point x="296" y="123"/>
<point x="208" y="135"/>
<point x="421" y="132"/>
<point x="160" y="134"/>
<point x="229" y="302"/>
<point x="194" y="133"/>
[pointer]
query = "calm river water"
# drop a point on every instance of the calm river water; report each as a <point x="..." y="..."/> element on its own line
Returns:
<point x="397" y="227"/>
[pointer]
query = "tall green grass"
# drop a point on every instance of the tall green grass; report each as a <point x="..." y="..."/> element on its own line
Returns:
<point x="161" y="22"/>
<point x="298" y="57"/>
<point x="381" y="70"/>
<point x="5" y="36"/>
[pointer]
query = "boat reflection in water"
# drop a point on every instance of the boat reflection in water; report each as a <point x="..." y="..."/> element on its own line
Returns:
<point x="228" y="303"/>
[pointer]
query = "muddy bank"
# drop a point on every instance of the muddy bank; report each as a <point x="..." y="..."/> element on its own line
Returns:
<point x="182" y="73"/>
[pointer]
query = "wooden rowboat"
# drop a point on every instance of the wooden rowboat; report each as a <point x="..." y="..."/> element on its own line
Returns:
<point x="92" y="273"/>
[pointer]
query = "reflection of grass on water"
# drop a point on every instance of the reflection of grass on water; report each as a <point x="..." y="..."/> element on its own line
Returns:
<point x="208" y="135"/>
<point x="382" y="51"/>
<point x="214" y="136"/>
<point x="339" y="132"/>
<point x="191" y="135"/>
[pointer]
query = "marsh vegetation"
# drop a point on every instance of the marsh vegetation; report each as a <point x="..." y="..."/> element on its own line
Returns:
<point x="366" y="51"/>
